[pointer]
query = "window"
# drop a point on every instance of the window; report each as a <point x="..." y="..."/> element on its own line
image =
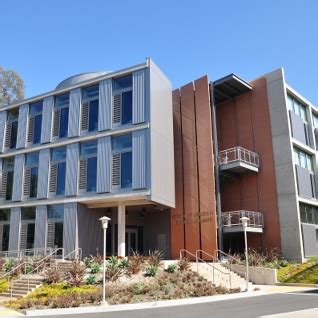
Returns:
<point x="58" y="171"/>
<point x="315" y="120"/>
<point x="35" y="122"/>
<point x="122" y="161"/>
<point x="55" y="216"/>
<point x="60" y="122"/>
<point x="122" y="100"/>
<point x="308" y="213"/>
<point x="297" y="107"/>
<point x="5" y="215"/>
<point x="303" y="159"/>
<point x="7" y="178"/>
<point x="4" y="229"/>
<point x="31" y="173"/>
<point x="90" y="108"/>
<point x="88" y="166"/>
<point x="12" y="129"/>
<point x="27" y="228"/>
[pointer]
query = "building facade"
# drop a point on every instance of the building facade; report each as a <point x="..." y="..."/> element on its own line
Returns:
<point x="173" y="170"/>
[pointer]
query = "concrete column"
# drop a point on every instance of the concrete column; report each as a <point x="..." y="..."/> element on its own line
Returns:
<point x="121" y="229"/>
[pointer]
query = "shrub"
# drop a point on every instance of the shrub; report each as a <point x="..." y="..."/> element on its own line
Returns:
<point x="154" y="258"/>
<point x="138" y="288"/>
<point x="135" y="263"/>
<point x="91" y="279"/>
<point x="151" y="270"/>
<point x="98" y="259"/>
<point x="76" y="273"/>
<point x="172" y="268"/>
<point x="53" y="275"/>
<point x="183" y="264"/>
<point x="27" y="268"/>
<point x="88" y="261"/>
<point x="113" y="270"/>
<point x="95" y="268"/>
<point x="9" y="264"/>
<point x="2" y="261"/>
<point x="4" y="285"/>
<point x="124" y="263"/>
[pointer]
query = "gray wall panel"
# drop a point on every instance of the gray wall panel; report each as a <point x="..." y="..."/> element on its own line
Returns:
<point x="74" y="113"/>
<point x="43" y="178"/>
<point x="18" y="178"/>
<point x="105" y="105"/>
<point x="310" y="239"/>
<point x="139" y="155"/>
<point x="14" y="229"/>
<point x="22" y="126"/>
<point x="103" y="164"/>
<point x="70" y="228"/>
<point x="47" y="114"/>
<point x="298" y="127"/>
<point x="305" y="182"/>
<point x="139" y="96"/>
<point x="72" y="160"/>
<point x="3" y="119"/>
<point x="40" y="226"/>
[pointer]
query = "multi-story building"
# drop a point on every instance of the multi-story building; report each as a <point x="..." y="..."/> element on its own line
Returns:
<point x="100" y="143"/>
<point x="172" y="169"/>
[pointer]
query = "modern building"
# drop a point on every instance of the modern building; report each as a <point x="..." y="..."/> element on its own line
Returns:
<point x="100" y="143"/>
<point x="172" y="169"/>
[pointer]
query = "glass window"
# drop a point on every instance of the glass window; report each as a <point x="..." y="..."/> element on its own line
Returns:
<point x="126" y="169"/>
<point x="59" y="154"/>
<point x="126" y="108"/>
<point x="91" y="92"/>
<point x="34" y="182"/>
<point x="36" y="108"/>
<point x="5" y="214"/>
<point x="62" y="100"/>
<point x="9" y="185"/>
<point x="13" y="114"/>
<point x="63" y="123"/>
<point x="28" y="213"/>
<point x="8" y="163"/>
<point x="5" y="237"/>
<point x="122" y="142"/>
<point x="297" y="107"/>
<point x="88" y="148"/>
<point x="315" y="120"/>
<point x="30" y="236"/>
<point x="91" y="174"/>
<point x="123" y="82"/>
<point x="60" y="182"/>
<point x="93" y="116"/>
<point x="14" y="133"/>
<point x="290" y="103"/>
<point x="58" y="234"/>
<point x="32" y="159"/>
<point x="37" y="129"/>
<point x="55" y="211"/>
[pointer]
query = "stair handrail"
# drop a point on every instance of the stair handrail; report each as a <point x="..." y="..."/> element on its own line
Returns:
<point x="77" y="252"/>
<point x="40" y="263"/>
<point x="225" y="254"/>
<point x="211" y="265"/>
<point x="34" y="250"/>
<point x="188" y="252"/>
<point x="7" y="253"/>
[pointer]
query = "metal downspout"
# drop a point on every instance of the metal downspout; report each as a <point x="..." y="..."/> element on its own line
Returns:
<point x="216" y="169"/>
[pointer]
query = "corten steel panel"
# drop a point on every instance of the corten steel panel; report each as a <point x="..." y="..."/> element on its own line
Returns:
<point x="207" y="202"/>
<point x="246" y="123"/>
<point x="190" y="166"/>
<point x="177" y="229"/>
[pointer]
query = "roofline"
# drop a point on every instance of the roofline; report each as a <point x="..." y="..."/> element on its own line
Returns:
<point x="69" y="88"/>
<point x="232" y="76"/>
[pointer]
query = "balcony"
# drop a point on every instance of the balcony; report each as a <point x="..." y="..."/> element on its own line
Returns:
<point x="238" y="160"/>
<point x="231" y="221"/>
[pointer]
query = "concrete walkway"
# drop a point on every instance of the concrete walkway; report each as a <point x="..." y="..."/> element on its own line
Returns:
<point x="5" y="312"/>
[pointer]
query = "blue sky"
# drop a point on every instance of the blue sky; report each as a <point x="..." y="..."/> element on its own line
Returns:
<point x="47" y="41"/>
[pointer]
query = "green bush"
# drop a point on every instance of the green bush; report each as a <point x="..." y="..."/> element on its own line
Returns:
<point x="4" y="285"/>
<point x="124" y="263"/>
<point x="91" y="279"/>
<point x="151" y="270"/>
<point x="172" y="268"/>
<point x="113" y="269"/>
<point x="9" y="264"/>
<point x="155" y="258"/>
<point x="88" y="261"/>
<point x="184" y="264"/>
<point x="95" y="268"/>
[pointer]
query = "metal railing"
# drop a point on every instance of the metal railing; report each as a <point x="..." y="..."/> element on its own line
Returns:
<point x="20" y="254"/>
<point x="75" y="255"/>
<point x="233" y="218"/>
<point x="238" y="154"/>
<point x="228" y="257"/>
<point x="197" y="259"/>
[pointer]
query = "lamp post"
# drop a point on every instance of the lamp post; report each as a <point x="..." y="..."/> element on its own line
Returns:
<point x="104" y="221"/>
<point x="245" y="221"/>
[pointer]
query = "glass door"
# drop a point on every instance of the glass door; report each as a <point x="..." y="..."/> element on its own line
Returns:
<point x="131" y="238"/>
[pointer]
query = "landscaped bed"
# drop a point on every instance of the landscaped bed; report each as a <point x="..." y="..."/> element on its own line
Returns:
<point x="138" y="279"/>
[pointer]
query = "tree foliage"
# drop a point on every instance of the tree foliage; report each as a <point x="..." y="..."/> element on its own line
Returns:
<point x="11" y="87"/>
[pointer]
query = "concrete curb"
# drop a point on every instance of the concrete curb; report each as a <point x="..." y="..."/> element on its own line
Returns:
<point x="298" y="285"/>
<point x="155" y="304"/>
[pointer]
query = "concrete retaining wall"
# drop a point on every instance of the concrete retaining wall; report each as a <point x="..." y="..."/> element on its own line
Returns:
<point x="257" y="275"/>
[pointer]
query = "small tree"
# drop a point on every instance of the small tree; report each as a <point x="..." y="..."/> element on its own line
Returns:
<point x="11" y="87"/>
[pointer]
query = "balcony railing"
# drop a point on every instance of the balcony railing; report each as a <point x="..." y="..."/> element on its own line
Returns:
<point x="238" y="154"/>
<point x="233" y="218"/>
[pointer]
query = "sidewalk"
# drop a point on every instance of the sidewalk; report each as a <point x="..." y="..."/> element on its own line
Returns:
<point x="5" y="312"/>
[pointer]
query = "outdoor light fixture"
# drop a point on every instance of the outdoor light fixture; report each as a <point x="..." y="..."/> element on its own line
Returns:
<point x="245" y="221"/>
<point x="104" y="221"/>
